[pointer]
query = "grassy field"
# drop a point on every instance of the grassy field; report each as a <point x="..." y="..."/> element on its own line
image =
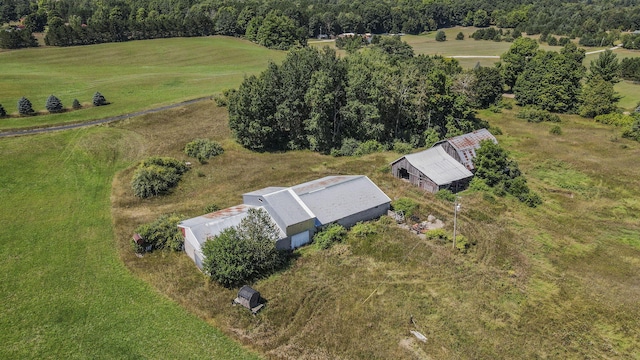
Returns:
<point x="132" y="76"/>
<point x="556" y="281"/>
<point x="65" y="292"/>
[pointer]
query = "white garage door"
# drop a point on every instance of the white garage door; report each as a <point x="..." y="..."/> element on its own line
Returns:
<point x="298" y="240"/>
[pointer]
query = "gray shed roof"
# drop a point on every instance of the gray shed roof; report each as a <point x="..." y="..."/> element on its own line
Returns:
<point x="287" y="207"/>
<point x="438" y="166"/>
<point x="336" y="197"/>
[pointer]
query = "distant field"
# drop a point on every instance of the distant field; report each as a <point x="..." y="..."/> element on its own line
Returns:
<point x="132" y="76"/>
<point x="65" y="292"/>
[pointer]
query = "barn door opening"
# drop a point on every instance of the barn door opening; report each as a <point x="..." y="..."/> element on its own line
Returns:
<point x="403" y="174"/>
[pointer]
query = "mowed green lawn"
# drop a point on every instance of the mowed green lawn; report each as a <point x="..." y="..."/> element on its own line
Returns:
<point x="65" y="292"/>
<point x="132" y="76"/>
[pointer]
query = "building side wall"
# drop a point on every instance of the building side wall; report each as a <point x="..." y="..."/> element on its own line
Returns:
<point x="365" y="215"/>
<point x="415" y="176"/>
<point x="453" y="152"/>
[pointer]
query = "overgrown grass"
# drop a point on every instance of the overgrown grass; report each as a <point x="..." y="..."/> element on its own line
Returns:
<point x="65" y="292"/>
<point x="555" y="281"/>
<point x="132" y="76"/>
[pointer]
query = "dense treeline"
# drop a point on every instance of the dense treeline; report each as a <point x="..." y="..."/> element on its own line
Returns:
<point x="317" y="101"/>
<point x="72" y="22"/>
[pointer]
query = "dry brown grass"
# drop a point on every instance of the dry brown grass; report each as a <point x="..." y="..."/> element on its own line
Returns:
<point x="555" y="281"/>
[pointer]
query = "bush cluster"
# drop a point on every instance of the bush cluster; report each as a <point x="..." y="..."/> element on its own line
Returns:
<point x="353" y="147"/>
<point x="203" y="149"/>
<point x="615" y="119"/>
<point x="534" y="115"/>
<point x="406" y="205"/>
<point x="156" y="176"/>
<point x="330" y="235"/>
<point x="162" y="233"/>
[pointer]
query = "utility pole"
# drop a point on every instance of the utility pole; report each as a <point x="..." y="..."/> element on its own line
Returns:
<point x="456" y="208"/>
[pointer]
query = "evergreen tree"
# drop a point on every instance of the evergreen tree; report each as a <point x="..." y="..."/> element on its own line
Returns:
<point x="25" y="107"/>
<point x="3" y="112"/>
<point x="99" y="100"/>
<point x="53" y="105"/>
<point x="460" y="36"/>
<point x="598" y="97"/>
<point x="606" y="66"/>
<point x="76" y="104"/>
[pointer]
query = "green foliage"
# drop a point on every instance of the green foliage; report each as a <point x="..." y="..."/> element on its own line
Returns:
<point x="446" y="195"/>
<point x="156" y="176"/>
<point x="478" y="184"/>
<point x="330" y="235"/>
<point x="598" y="97"/>
<point x="534" y="115"/>
<point x="402" y="147"/>
<point x="441" y="36"/>
<point x="24" y="107"/>
<point x="163" y="233"/>
<point x="633" y="132"/>
<point x="277" y="31"/>
<point x="431" y="136"/>
<point x="363" y="229"/>
<point x="369" y="147"/>
<point x="615" y="119"/>
<point x="241" y="254"/>
<point x="460" y="36"/>
<point x="606" y="66"/>
<point x="17" y="39"/>
<point x="348" y="148"/>
<point x="203" y="149"/>
<point x="99" y="100"/>
<point x="514" y="61"/>
<point x="440" y="235"/>
<point x="630" y="68"/>
<point x="350" y="43"/>
<point x="552" y="80"/>
<point x="488" y="86"/>
<point x="3" y="112"/>
<point x="555" y="130"/>
<point x="406" y="205"/>
<point x="54" y="105"/>
<point x="76" y="104"/>
<point x="211" y="208"/>
<point x="498" y="171"/>
<point x="394" y="47"/>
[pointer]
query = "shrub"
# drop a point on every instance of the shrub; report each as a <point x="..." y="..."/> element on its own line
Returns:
<point x="156" y="176"/>
<point x="445" y="195"/>
<point x="369" y="147"/>
<point x="440" y="235"/>
<point x="555" y="130"/>
<point x="402" y="147"/>
<point x="615" y="119"/>
<point x="328" y="236"/>
<point x="25" y="107"/>
<point x="348" y="148"/>
<point x="163" y="233"/>
<point x="537" y="115"/>
<point x="203" y="149"/>
<point x="478" y="184"/>
<point x="633" y="132"/>
<point x="3" y="112"/>
<point x="460" y="36"/>
<point x="245" y="252"/>
<point x="99" y="100"/>
<point x="76" y="104"/>
<point x="406" y="205"/>
<point x="363" y="229"/>
<point x="53" y="105"/>
<point x="211" y="208"/>
<point x="441" y="36"/>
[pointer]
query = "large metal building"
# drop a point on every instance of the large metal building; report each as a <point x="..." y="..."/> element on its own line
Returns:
<point x="297" y="211"/>
<point x="432" y="170"/>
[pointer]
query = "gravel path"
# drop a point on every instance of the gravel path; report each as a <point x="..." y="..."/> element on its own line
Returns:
<point x="97" y="122"/>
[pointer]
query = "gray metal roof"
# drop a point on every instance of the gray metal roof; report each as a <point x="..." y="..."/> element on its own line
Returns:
<point x="336" y="197"/>
<point x="438" y="166"/>
<point x="287" y="207"/>
<point x="214" y="223"/>
<point x="467" y="144"/>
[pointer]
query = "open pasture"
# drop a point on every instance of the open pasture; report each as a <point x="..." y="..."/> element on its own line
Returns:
<point x="133" y="76"/>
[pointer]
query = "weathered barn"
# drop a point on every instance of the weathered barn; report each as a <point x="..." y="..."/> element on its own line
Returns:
<point x="432" y="170"/>
<point x="463" y="147"/>
<point x="297" y="211"/>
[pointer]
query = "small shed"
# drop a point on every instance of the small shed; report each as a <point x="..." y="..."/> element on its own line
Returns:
<point x="463" y="147"/>
<point x="432" y="170"/>
<point x="249" y="298"/>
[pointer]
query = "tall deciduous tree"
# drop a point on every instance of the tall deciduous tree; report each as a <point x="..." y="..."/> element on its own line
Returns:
<point x="514" y="60"/>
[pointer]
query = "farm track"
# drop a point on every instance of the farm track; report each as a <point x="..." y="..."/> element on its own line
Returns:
<point x="33" y="131"/>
